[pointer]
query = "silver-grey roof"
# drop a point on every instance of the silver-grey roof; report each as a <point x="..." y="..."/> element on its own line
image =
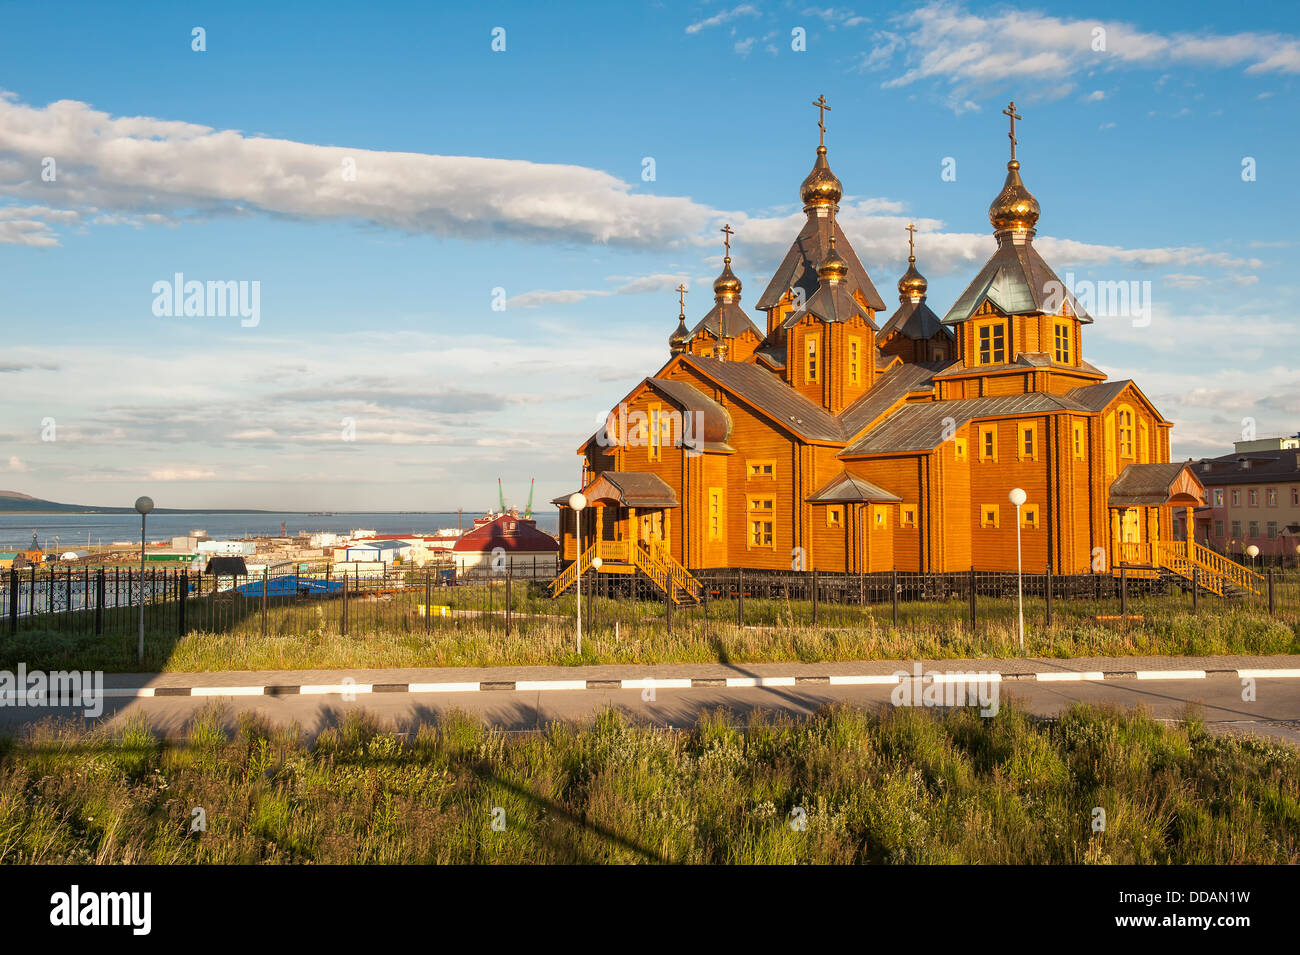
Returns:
<point x="635" y="489"/>
<point x="715" y="421"/>
<point x="1097" y="397"/>
<point x="1023" y="360"/>
<point x="799" y="267"/>
<point x="914" y="320"/>
<point x="1017" y="281"/>
<point x="772" y="354"/>
<point x="921" y="426"/>
<point x="849" y="488"/>
<point x="1145" y="484"/>
<point x="889" y="389"/>
<point x="771" y="395"/>
<point x="737" y="322"/>
<point x="833" y="302"/>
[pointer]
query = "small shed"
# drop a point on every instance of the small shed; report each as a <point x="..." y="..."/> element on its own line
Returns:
<point x="226" y="567"/>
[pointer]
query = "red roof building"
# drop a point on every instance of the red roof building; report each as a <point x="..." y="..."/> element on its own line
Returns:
<point x="507" y="541"/>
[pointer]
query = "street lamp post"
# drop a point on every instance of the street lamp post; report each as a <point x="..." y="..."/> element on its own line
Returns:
<point x="1018" y="498"/>
<point x="578" y="501"/>
<point x="1252" y="552"/>
<point x="143" y="505"/>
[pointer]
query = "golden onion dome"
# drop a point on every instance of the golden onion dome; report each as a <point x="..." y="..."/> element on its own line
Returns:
<point x="821" y="188"/>
<point x="833" y="267"/>
<point x="677" y="340"/>
<point x="1015" y="209"/>
<point x="913" y="283"/>
<point x="726" y="284"/>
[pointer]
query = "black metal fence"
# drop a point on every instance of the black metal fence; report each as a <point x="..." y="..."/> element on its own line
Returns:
<point x="107" y="601"/>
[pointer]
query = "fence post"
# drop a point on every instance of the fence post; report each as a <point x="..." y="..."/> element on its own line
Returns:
<point x="813" y="578"/>
<point x="31" y="593"/>
<point x="893" y="594"/>
<point x="1196" y="586"/>
<point x="1270" y="592"/>
<point x="740" y="596"/>
<point x="509" y="574"/>
<point x="343" y="620"/>
<point x="428" y="600"/>
<point x="668" y="608"/>
<point x="1123" y="592"/>
<point x="13" y="600"/>
<point x="184" y="596"/>
<point x="99" y="601"/>
<point x="265" y="583"/>
<point x="1049" y="593"/>
<point x="972" y="598"/>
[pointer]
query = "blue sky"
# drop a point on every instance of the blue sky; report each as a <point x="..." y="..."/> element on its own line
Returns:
<point x="521" y="170"/>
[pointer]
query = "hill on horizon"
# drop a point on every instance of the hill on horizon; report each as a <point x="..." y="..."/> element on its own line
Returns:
<point x="15" y="502"/>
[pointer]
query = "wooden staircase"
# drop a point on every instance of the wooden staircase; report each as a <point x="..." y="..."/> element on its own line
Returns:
<point x="650" y="559"/>
<point x="1180" y="560"/>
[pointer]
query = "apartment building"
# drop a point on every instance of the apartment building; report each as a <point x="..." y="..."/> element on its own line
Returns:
<point x="1252" y="498"/>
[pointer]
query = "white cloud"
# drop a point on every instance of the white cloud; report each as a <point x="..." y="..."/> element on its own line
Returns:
<point x="146" y="171"/>
<point x="648" y="283"/>
<point x="971" y="52"/>
<point x="143" y="170"/>
<point x="726" y="16"/>
<point x="182" y="474"/>
<point x="17" y="465"/>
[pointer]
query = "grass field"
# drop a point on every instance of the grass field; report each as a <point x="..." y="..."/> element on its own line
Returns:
<point x="391" y="635"/>
<point x="898" y="786"/>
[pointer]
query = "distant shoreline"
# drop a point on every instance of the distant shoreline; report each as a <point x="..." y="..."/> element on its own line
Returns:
<point x="205" y="510"/>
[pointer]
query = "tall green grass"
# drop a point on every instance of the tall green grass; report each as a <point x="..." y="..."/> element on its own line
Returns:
<point x="700" y="636"/>
<point x="897" y="786"/>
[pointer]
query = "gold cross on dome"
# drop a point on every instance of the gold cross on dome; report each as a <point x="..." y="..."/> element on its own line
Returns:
<point x="911" y="235"/>
<point x="1011" y="111"/>
<point x="727" y="232"/>
<point x="820" y="103"/>
<point x="681" y="297"/>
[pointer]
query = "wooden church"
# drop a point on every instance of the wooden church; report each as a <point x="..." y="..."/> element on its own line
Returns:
<point x="835" y="436"/>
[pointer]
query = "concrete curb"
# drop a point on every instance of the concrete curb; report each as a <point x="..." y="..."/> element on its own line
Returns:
<point x="681" y="683"/>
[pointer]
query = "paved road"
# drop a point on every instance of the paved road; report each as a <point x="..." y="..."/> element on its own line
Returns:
<point x="1275" y="711"/>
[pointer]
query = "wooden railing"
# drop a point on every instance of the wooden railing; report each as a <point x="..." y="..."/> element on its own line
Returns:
<point x="656" y="562"/>
<point x="681" y="576"/>
<point x="1230" y="570"/>
<point x="1180" y="557"/>
<point x="1138" y="552"/>
<point x="569" y="575"/>
<point x="612" y="550"/>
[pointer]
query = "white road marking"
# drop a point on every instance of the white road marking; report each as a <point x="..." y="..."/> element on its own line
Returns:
<point x="1058" y="677"/>
<point x="1171" y="674"/>
<point x="525" y="685"/>
<point x="443" y="688"/>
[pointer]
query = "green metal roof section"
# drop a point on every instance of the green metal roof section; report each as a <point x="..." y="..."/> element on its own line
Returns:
<point x="1015" y="280"/>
